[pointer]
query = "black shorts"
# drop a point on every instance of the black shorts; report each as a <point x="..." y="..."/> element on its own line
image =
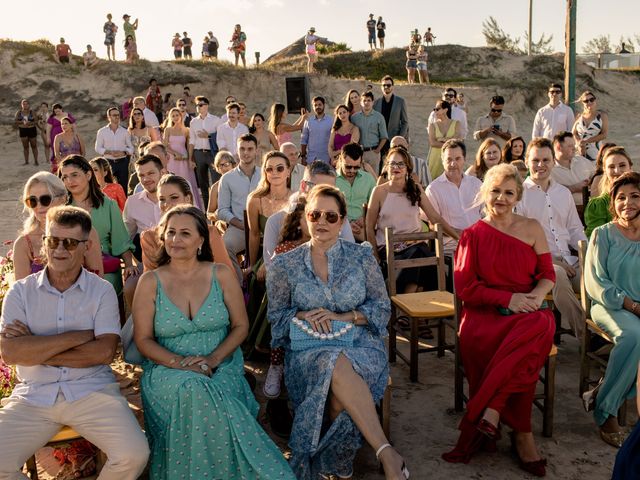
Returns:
<point x="177" y="53"/>
<point x="187" y="51"/>
<point x="64" y="59"/>
<point x="30" y="132"/>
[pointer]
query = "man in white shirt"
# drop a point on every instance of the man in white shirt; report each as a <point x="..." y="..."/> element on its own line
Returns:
<point x="61" y="328"/>
<point x="114" y="143"/>
<point x="571" y="170"/>
<point x="229" y="131"/>
<point x="150" y="118"/>
<point x="449" y="95"/>
<point x="554" y="117"/>
<point x="297" y="169"/>
<point x="552" y="205"/>
<point x="495" y="124"/>
<point x="453" y="194"/>
<point x="201" y="128"/>
<point x="235" y="187"/>
<point x="141" y="210"/>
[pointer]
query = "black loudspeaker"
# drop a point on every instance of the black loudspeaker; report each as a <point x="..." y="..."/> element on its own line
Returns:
<point x="297" y="94"/>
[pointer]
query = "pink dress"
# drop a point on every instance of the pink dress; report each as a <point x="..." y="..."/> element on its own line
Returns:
<point x="340" y="140"/>
<point x="178" y="143"/>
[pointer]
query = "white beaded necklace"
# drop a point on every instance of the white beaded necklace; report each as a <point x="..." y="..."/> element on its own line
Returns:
<point x="322" y="336"/>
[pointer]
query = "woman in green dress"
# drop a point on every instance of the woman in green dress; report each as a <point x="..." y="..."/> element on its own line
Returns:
<point x="613" y="283"/>
<point x="615" y="162"/>
<point x="440" y="130"/>
<point x="189" y="317"/>
<point x="84" y="192"/>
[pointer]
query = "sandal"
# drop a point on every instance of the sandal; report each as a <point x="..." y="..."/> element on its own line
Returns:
<point x="403" y="469"/>
<point x="615" y="439"/>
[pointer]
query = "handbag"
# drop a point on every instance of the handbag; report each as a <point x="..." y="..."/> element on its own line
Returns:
<point x="130" y="350"/>
<point x="303" y="337"/>
<point x="110" y="264"/>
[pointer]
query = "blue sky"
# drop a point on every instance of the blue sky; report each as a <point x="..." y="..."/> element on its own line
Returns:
<point x="272" y="24"/>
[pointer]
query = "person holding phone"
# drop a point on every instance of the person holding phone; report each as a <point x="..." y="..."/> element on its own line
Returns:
<point x="496" y="124"/>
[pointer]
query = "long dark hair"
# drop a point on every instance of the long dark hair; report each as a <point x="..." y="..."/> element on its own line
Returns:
<point x="291" y="229"/>
<point x="206" y="254"/>
<point x="347" y="99"/>
<point x="411" y="188"/>
<point x="507" y="155"/>
<point x="104" y="165"/>
<point x="78" y="161"/>
<point x="277" y="111"/>
<point x="337" y="123"/>
<point x="252" y="128"/>
<point x="132" y="123"/>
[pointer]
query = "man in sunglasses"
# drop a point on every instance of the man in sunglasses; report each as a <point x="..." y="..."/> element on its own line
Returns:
<point x="113" y="142"/>
<point x="554" y="117"/>
<point x="457" y="113"/>
<point x="201" y="128"/>
<point x="394" y="110"/>
<point x="61" y="328"/>
<point x="181" y="104"/>
<point x="495" y="124"/>
<point x="356" y="185"/>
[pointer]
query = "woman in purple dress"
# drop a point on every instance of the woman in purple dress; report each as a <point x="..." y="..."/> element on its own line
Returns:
<point x="342" y="132"/>
<point x="54" y="127"/>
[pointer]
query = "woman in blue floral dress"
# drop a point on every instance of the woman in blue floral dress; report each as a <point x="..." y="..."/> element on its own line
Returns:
<point x="332" y="387"/>
<point x="199" y="412"/>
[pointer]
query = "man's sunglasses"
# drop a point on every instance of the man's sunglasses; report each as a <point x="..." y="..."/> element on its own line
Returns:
<point x="32" y="201"/>
<point x="315" y="215"/>
<point x="68" y="244"/>
<point x="496" y="110"/>
<point x="352" y="167"/>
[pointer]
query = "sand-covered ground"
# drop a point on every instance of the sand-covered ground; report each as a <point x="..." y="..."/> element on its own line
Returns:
<point x="423" y="423"/>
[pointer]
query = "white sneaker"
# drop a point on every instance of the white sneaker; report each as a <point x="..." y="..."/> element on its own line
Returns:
<point x="273" y="381"/>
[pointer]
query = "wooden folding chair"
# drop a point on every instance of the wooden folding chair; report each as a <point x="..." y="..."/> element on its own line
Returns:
<point x="65" y="435"/>
<point x="544" y="400"/>
<point x="365" y="210"/>
<point x="246" y="260"/>
<point x="435" y="307"/>
<point x="588" y="357"/>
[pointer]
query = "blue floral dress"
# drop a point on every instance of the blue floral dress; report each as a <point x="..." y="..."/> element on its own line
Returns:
<point x="201" y="427"/>
<point x="354" y="282"/>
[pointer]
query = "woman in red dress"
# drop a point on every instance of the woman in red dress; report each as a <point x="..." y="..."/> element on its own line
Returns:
<point x="505" y="336"/>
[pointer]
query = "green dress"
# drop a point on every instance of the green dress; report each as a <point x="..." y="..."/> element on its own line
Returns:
<point x="435" y="153"/>
<point x="597" y="213"/>
<point x="114" y="237"/>
<point x="198" y="426"/>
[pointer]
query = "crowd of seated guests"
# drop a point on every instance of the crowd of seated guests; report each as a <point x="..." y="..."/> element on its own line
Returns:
<point x="321" y="259"/>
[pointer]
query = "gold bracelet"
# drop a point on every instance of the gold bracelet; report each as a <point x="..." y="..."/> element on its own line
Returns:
<point x="355" y="316"/>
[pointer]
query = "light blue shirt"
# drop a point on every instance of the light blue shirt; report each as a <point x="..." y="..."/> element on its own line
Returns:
<point x="234" y="189"/>
<point x="372" y="128"/>
<point x="89" y="304"/>
<point x="315" y="135"/>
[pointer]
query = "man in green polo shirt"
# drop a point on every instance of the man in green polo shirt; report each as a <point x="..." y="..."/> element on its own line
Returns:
<point x="356" y="185"/>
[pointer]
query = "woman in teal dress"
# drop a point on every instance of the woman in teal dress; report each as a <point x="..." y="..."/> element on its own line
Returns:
<point x="189" y="317"/>
<point x="615" y="162"/>
<point x="84" y="192"/>
<point x="613" y="283"/>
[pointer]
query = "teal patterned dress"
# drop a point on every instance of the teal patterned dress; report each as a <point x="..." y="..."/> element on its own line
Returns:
<point x="201" y="427"/>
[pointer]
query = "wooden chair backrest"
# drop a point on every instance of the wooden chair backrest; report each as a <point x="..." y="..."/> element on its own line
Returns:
<point x="584" y="298"/>
<point x="394" y="266"/>
<point x="365" y="210"/>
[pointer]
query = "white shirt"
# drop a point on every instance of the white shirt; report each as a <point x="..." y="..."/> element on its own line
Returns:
<point x="107" y="139"/>
<point x="581" y="169"/>
<point x="89" y="304"/>
<point x="209" y="124"/>
<point x="227" y="137"/>
<point x="550" y="120"/>
<point x="150" y="118"/>
<point x="455" y="204"/>
<point x="297" y="173"/>
<point x="140" y="213"/>
<point x="557" y="214"/>
<point x="458" y="114"/>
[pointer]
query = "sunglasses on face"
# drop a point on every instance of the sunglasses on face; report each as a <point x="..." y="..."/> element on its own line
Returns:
<point x="202" y="104"/>
<point x="69" y="244"/>
<point x="387" y="85"/>
<point x="495" y="110"/>
<point x="32" y="201"/>
<point x="315" y="215"/>
<point x="352" y="167"/>
<point x="437" y="109"/>
<point x="589" y="100"/>
<point x="449" y="95"/>
<point x="397" y="165"/>
<point x="224" y="164"/>
<point x="278" y="168"/>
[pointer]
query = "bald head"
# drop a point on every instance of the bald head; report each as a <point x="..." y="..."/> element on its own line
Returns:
<point x="399" y="141"/>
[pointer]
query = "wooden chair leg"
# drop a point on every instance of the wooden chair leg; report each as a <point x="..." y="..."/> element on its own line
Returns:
<point x="413" y="344"/>
<point x="549" y="395"/>
<point x="386" y="414"/>
<point x="392" y="335"/>
<point x="32" y="469"/>
<point x="441" y="337"/>
<point x="585" y="362"/>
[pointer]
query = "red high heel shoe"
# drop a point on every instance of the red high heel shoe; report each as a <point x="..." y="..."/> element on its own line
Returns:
<point x="489" y="429"/>
<point x="536" y="468"/>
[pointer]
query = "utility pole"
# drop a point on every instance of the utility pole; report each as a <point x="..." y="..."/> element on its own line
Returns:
<point x="570" y="53"/>
<point x="530" y="25"/>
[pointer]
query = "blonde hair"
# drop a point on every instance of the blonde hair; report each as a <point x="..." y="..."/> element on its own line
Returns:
<point x="56" y="189"/>
<point x="605" y="183"/>
<point x="499" y="174"/>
